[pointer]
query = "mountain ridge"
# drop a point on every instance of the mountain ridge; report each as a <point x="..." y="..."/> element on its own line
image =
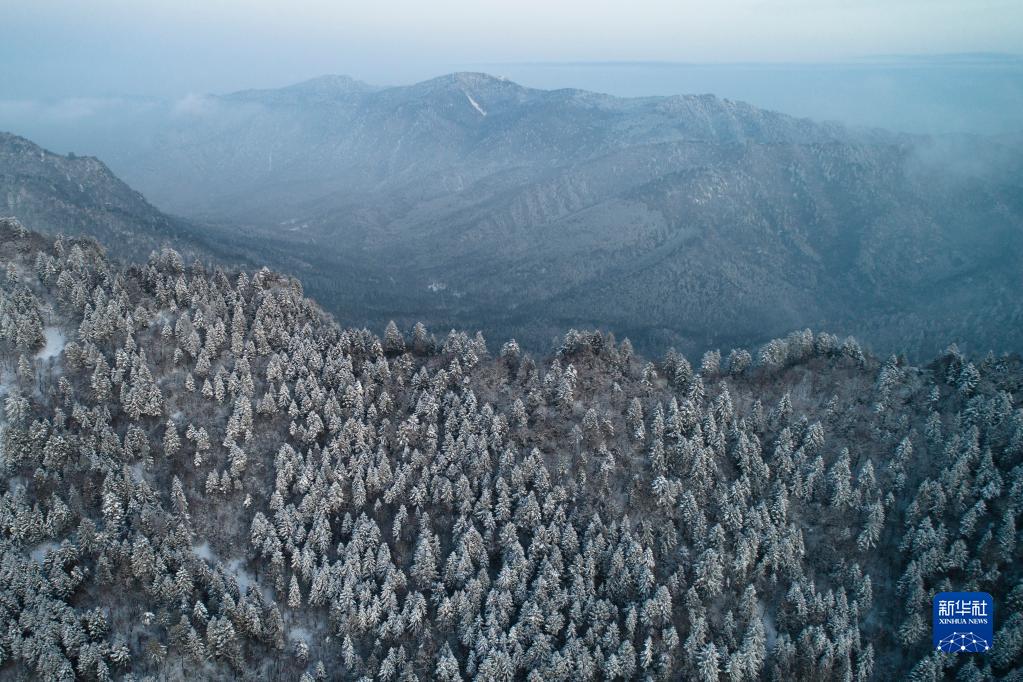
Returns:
<point x="685" y="221"/>
<point x="79" y="195"/>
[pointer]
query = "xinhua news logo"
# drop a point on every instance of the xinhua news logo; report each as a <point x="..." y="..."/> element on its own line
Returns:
<point x="964" y="622"/>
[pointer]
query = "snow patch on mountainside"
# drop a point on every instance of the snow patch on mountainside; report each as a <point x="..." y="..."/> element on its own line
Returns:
<point x="475" y="104"/>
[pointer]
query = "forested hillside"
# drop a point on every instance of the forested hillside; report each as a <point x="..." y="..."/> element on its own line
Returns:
<point x="206" y="476"/>
<point x="78" y="195"/>
<point x="692" y="221"/>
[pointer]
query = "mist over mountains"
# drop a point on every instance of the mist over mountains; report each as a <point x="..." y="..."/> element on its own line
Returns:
<point x="205" y="474"/>
<point x="690" y="221"/>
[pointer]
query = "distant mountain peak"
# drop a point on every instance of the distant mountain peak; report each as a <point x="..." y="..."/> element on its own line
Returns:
<point x="479" y="92"/>
<point x="479" y="78"/>
<point x="472" y="80"/>
<point x="332" y="83"/>
<point x="321" y="88"/>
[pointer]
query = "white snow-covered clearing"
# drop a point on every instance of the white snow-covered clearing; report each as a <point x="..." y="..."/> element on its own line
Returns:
<point x="39" y="552"/>
<point x="203" y="551"/>
<point x="243" y="577"/>
<point x="246" y="580"/>
<point x="55" y="342"/>
<point x="235" y="567"/>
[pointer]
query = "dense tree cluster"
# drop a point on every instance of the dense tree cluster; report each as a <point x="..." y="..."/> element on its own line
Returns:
<point x="212" y="478"/>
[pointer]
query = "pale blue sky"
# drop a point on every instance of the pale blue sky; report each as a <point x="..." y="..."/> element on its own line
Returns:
<point x="60" y="48"/>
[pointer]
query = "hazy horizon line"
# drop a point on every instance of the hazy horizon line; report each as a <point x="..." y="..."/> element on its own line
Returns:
<point x="907" y="59"/>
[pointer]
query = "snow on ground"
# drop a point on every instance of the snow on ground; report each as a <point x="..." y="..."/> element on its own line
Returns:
<point x="235" y="567"/>
<point x="54" y="345"/>
<point x="203" y="551"/>
<point x="475" y="104"/>
<point x="138" y="473"/>
<point x="247" y="581"/>
<point x="244" y="578"/>
<point x="300" y="634"/>
<point x="55" y="341"/>
<point x="39" y="552"/>
<point x="6" y="384"/>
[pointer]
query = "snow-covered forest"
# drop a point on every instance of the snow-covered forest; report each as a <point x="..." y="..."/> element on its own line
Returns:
<point x="204" y="476"/>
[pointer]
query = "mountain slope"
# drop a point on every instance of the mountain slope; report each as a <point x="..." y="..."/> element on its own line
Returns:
<point x="80" y="196"/>
<point x="204" y="476"/>
<point x="334" y="135"/>
<point x="472" y="201"/>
